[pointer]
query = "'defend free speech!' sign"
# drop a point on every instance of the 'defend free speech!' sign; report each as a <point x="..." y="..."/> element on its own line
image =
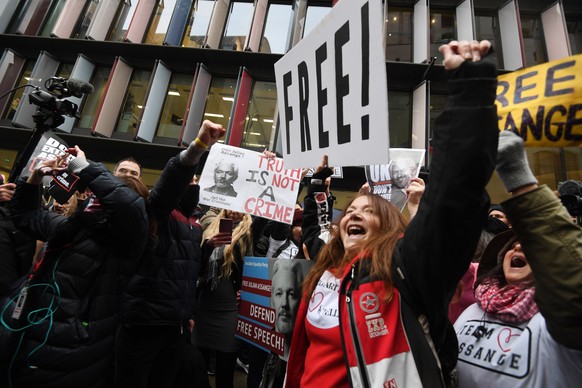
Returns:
<point x="332" y="91"/>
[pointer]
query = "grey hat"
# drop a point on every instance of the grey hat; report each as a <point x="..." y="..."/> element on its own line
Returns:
<point x="494" y="251"/>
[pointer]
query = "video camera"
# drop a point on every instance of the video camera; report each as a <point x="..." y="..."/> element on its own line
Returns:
<point x="58" y="88"/>
<point x="571" y="196"/>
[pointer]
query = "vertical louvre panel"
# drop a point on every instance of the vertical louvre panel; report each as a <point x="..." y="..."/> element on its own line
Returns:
<point x="103" y="19"/>
<point x="34" y="17"/>
<point x="113" y="101"/>
<point x="200" y="88"/>
<point x="46" y="66"/>
<point x="11" y="66"/>
<point x="258" y="24"/>
<point x="420" y="36"/>
<point x="243" y="94"/>
<point x="420" y="115"/>
<point x="512" y="42"/>
<point x="140" y="21"/>
<point x="465" y="21"/>
<point x="7" y="10"/>
<point x="556" y="32"/>
<point x="178" y="23"/>
<point x="83" y="71"/>
<point x="156" y="95"/>
<point x="217" y="23"/>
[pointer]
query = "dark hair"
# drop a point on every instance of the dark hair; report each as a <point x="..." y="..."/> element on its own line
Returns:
<point x="130" y="159"/>
<point x="139" y="187"/>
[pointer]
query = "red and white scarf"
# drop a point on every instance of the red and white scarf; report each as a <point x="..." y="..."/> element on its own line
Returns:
<point x="512" y="303"/>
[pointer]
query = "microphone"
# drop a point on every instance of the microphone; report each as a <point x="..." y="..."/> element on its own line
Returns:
<point x="78" y="86"/>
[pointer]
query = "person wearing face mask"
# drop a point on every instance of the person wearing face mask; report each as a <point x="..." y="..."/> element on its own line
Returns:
<point x="152" y="340"/>
<point x="524" y="330"/>
<point x="497" y="221"/>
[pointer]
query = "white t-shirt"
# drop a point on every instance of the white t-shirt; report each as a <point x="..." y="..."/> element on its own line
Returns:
<point x="515" y="356"/>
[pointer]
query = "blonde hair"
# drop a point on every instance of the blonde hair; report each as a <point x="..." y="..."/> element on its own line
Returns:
<point x="242" y="240"/>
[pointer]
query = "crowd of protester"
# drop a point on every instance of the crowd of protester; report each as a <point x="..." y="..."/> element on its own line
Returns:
<point x="128" y="286"/>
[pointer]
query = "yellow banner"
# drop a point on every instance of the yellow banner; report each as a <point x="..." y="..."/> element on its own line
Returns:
<point x="543" y="103"/>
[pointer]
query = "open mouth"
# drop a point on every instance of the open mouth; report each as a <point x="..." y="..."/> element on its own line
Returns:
<point x="356" y="230"/>
<point x="518" y="262"/>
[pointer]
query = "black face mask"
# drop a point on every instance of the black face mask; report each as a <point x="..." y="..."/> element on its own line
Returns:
<point x="189" y="200"/>
<point x="495" y="225"/>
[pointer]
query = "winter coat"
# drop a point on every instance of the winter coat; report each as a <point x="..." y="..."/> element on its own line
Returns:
<point x="17" y="251"/>
<point x="546" y="350"/>
<point x="76" y="288"/>
<point x="163" y="290"/>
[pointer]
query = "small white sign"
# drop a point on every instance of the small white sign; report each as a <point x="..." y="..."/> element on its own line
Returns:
<point x="391" y="180"/>
<point x="248" y="182"/>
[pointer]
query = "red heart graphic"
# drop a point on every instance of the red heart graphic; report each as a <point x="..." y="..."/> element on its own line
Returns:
<point x="508" y="335"/>
<point x="315" y="301"/>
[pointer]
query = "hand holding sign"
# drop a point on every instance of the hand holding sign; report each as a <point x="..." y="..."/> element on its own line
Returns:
<point x="48" y="167"/>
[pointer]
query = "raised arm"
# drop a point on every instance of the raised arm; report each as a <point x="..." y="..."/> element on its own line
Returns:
<point x="439" y="242"/>
<point x="177" y="175"/>
<point x="552" y="243"/>
<point x="317" y="211"/>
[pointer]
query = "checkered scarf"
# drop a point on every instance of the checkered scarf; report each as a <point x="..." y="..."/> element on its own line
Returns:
<point x="513" y="303"/>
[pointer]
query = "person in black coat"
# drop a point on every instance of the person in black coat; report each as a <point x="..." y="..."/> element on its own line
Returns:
<point x="17" y="248"/>
<point x="63" y="337"/>
<point x="159" y="301"/>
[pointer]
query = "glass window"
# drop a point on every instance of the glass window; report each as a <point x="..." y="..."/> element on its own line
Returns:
<point x="399" y="119"/>
<point x="573" y="158"/>
<point x="220" y="99"/>
<point x="237" y="26"/>
<point x="65" y="70"/>
<point x="575" y="34"/>
<point x="198" y="24"/>
<point x="89" y="13"/>
<point x="133" y="103"/>
<point x="442" y="31"/>
<point x="487" y="27"/>
<point x="161" y="22"/>
<point x="17" y="96"/>
<point x="93" y="100"/>
<point x="533" y="40"/>
<point x="121" y="25"/>
<point x="437" y="106"/>
<point x="175" y="106"/>
<point x="313" y="16"/>
<point x="399" y="35"/>
<point x="259" y="121"/>
<point x="52" y="18"/>
<point x="276" y="34"/>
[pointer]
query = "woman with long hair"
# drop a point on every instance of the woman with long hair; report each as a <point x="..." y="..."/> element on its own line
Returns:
<point x="374" y="312"/>
<point x="219" y="289"/>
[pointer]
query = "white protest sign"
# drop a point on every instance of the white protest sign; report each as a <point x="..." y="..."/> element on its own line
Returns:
<point x="248" y="182"/>
<point x="391" y="180"/>
<point x="332" y="91"/>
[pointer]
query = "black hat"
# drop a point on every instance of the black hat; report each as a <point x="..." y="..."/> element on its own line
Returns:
<point x="496" y="248"/>
<point x="497" y="207"/>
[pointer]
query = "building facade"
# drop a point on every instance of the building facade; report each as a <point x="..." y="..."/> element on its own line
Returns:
<point x="160" y="67"/>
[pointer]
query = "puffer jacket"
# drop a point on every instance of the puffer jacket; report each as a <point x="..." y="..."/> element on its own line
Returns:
<point x="76" y="287"/>
<point x="17" y="251"/>
<point x="163" y="290"/>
